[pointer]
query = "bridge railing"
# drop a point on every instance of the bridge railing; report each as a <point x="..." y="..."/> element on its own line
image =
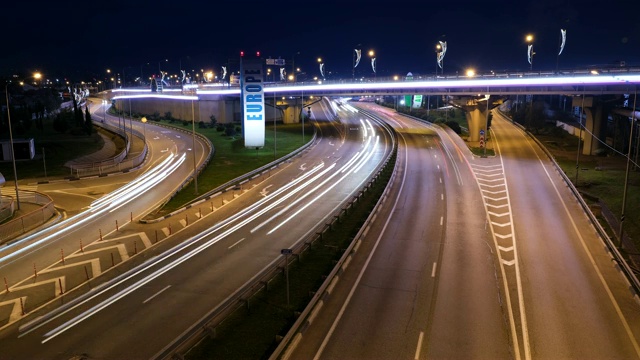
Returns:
<point x="20" y="225"/>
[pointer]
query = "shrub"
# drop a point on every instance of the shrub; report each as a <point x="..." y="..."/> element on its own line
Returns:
<point x="454" y="126"/>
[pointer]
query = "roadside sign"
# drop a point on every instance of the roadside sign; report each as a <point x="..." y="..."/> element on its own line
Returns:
<point x="278" y="62"/>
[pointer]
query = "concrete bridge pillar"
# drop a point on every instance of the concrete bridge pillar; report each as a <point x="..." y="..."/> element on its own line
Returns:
<point x="476" y="113"/>
<point x="292" y="109"/>
<point x="596" y="114"/>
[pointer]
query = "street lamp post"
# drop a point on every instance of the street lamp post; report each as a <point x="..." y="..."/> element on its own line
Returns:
<point x="530" y="53"/>
<point x="353" y="69"/>
<point x="193" y="132"/>
<point x="373" y="64"/>
<point x="13" y="157"/>
<point x="12" y="151"/>
<point x="144" y="128"/>
<point x="438" y="50"/>
<point x="626" y="175"/>
<point x="321" y="64"/>
<point x="293" y="65"/>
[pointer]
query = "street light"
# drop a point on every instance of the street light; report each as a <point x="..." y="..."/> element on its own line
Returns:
<point x="321" y="64"/>
<point x="36" y="76"/>
<point x="530" y="53"/>
<point x="373" y="63"/>
<point x="160" y="70"/>
<point x="193" y="133"/>
<point x="438" y="50"/>
<point x="144" y="127"/>
<point x="471" y="73"/>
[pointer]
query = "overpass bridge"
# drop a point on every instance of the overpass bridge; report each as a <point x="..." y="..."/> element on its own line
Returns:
<point x="475" y="94"/>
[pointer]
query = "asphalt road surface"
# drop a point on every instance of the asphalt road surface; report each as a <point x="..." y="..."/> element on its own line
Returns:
<point x="138" y="314"/>
<point x="476" y="258"/>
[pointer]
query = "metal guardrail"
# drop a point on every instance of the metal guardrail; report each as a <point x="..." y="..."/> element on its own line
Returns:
<point x="260" y="281"/>
<point x="104" y="166"/>
<point x="25" y="223"/>
<point x="624" y="266"/>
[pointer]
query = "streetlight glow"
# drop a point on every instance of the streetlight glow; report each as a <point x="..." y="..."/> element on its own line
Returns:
<point x="471" y="73"/>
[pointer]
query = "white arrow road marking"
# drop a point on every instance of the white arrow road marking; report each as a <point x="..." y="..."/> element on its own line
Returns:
<point x="264" y="191"/>
<point x="302" y="167"/>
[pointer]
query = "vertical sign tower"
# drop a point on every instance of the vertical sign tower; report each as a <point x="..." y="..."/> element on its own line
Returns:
<point x="252" y="95"/>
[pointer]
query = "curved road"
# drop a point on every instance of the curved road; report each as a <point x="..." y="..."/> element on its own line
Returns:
<point x="212" y="257"/>
<point x="513" y="270"/>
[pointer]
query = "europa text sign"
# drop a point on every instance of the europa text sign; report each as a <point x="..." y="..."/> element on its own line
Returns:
<point x="252" y="92"/>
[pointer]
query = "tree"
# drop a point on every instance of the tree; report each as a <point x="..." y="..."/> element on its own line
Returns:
<point x="61" y="122"/>
<point x="229" y="130"/>
<point x="88" y="124"/>
<point x="214" y="121"/>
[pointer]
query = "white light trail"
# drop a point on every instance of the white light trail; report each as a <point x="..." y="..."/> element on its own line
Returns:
<point x="81" y="219"/>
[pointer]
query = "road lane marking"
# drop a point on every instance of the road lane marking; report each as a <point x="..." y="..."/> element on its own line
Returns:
<point x="433" y="269"/>
<point x="156" y="294"/>
<point x="236" y="243"/>
<point x="441" y="220"/>
<point x="419" y="345"/>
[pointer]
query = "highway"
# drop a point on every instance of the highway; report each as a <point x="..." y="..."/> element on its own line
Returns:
<point x="211" y="258"/>
<point x="577" y="303"/>
<point x="100" y="202"/>
<point x="497" y="261"/>
<point x="424" y="282"/>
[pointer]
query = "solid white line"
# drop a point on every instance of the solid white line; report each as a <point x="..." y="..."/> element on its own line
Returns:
<point x="236" y="243"/>
<point x="156" y="294"/>
<point x="419" y="345"/>
<point x="433" y="270"/>
<point x="523" y="314"/>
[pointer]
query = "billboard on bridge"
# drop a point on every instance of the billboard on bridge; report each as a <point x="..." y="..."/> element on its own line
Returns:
<point x="252" y="95"/>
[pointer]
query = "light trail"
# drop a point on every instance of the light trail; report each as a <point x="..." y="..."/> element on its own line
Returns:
<point x="81" y="219"/>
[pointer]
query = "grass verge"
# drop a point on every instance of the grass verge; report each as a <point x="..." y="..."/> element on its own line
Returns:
<point x="57" y="148"/>
<point x="602" y="177"/>
<point x="232" y="159"/>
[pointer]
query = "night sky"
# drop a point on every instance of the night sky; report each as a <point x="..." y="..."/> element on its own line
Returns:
<point x="80" y="40"/>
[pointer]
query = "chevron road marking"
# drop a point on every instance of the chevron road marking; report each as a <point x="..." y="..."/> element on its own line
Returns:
<point x="504" y="236"/>
<point x="497" y="215"/>
<point x="498" y="206"/>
